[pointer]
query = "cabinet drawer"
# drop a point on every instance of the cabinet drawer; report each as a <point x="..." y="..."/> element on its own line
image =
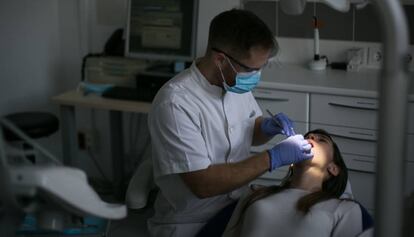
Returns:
<point x="344" y="111"/>
<point x="357" y="146"/>
<point x="293" y="104"/>
<point x="359" y="162"/>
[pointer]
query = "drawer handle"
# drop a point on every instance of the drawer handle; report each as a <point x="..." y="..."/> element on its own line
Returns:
<point x="352" y="106"/>
<point x="364" y="161"/>
<point x="273" y="99"/>
<point x="355" y="138"/>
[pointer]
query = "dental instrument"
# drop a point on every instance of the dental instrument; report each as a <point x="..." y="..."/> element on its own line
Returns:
<point x="278" y="124"/>
<point x="53" y="192"/>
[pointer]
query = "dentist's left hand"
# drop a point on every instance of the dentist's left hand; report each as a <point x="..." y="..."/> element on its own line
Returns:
<point x="290" y="151"/>
<point x="279" y="124"/>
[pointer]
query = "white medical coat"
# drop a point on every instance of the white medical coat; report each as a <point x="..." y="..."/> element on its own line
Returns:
<point x="193" y="125"/>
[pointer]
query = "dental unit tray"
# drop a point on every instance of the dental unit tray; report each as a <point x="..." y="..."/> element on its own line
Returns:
<point x="66" y="186"/>
<point x="43" y="188"/>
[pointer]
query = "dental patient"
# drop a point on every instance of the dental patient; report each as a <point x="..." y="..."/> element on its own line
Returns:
<point x="307" y="203"/>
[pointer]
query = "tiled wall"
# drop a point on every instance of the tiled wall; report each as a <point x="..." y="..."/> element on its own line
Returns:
<point x="355" y="25"/>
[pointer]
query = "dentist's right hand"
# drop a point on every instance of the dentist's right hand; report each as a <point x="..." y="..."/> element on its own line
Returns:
<point x="291" y="150"/>
<point x="277" y="124"/>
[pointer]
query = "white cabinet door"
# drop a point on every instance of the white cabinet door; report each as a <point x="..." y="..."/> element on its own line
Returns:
<point x="293" y="104"/>
<point x="343" y="111"/>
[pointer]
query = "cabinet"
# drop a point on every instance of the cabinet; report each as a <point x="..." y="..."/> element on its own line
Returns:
<point x="352" y="122"/>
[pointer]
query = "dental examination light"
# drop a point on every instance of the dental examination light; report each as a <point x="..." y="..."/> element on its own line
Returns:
<point x="392" y="116"/>
<point x="296" y="7"/>
<point x="53" y="192"/>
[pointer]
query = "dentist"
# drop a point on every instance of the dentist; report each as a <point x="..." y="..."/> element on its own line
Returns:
<point x="204" y="121"/>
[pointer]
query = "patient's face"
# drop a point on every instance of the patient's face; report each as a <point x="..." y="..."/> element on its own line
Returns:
<point x="322" y="148"/>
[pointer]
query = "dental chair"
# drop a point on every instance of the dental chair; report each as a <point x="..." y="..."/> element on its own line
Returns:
<point x="52" y="192"/>
<point x="140" y="185"/>
<point x="35" y="124"/>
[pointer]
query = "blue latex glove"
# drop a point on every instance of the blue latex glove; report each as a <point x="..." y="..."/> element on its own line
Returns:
<point x="291" y="150"/>
<point x="278" y="124"/>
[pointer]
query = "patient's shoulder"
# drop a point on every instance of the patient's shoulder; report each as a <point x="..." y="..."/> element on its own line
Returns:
<point x="345" y="207"/>
<point x="336" y="206"/>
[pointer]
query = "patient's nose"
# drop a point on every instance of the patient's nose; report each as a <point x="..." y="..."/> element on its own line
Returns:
<point x="311" y="141"/>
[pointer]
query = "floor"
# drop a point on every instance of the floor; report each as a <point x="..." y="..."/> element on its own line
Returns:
<point x="134" y="225"/>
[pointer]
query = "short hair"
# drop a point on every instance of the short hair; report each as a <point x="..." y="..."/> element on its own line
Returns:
<point x="237" y="31"/>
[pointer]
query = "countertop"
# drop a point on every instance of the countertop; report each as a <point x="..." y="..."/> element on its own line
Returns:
<point x="293" y="77"/>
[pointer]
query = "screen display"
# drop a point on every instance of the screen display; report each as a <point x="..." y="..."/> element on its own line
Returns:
<point x="162" y="29"/>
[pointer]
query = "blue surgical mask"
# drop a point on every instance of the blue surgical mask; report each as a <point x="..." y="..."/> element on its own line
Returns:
<point x="245" y="81"/>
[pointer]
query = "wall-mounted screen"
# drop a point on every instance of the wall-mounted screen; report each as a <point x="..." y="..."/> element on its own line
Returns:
<point x="162" y="29"/>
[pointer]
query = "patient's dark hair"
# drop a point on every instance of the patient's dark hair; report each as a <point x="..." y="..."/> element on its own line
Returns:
<point x="331" y="188"/>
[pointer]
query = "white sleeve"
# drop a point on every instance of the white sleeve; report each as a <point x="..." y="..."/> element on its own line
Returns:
<point x="177" y="140"/>
<point x="349" y="220"/>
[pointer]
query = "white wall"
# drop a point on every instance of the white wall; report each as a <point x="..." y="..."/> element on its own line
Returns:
<point x="207" y="10"/>
<point x="29" y="54"/>
<point x="300" y="51"/>
<point x="31" y="59"/>
<point x="103" y="18"/>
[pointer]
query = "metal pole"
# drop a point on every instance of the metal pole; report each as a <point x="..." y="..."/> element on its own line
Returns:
<point x="392" y="120"/>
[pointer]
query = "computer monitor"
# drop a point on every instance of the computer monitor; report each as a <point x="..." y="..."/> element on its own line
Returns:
<point x="162" y="29"/>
